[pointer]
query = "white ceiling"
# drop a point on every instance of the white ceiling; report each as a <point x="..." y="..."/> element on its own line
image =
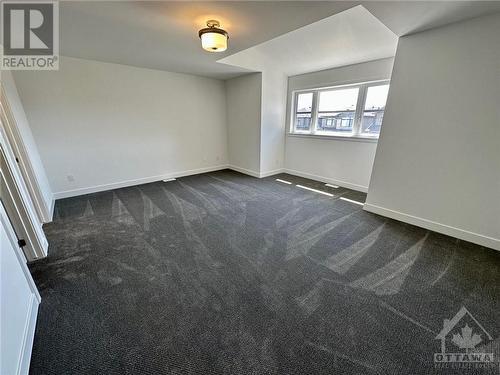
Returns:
<point x="349" y="37"/>
<point x="163" y="34"/>
<point x="408" y="17"/>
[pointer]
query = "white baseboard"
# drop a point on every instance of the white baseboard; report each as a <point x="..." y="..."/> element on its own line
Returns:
<point x="47" y="211"/>
<point x="52" y="207"/>
<point x="45" y="248"/>
<point x="272" y="173"/>
<point x="145" y="180"/>
<point x="29" y="334"/>
<point x="253" y="173"/>
<point x="244" y="171"/>
<point x="462" y="234"/>
<point x="327" y="180"/>
<point x="139" y="181"/>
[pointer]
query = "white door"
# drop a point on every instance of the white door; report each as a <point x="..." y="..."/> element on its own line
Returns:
<point x="19" y="300"/>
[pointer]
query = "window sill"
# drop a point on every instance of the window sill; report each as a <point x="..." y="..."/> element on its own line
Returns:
<point x="352" y="138"/>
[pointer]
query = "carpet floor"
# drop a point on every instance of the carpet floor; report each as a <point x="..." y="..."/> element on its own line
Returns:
<point x="222" y="273"/>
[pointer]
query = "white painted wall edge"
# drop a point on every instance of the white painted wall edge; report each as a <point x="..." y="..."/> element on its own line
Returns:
<point x="139" y="181"/>
<point x="327" y="180"/>
<point x="462" y="234"/>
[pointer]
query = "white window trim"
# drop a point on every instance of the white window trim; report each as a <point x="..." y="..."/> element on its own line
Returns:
<point x="356" y="128"/>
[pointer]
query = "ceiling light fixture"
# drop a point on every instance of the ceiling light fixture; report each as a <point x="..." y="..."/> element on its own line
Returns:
<point x="213" y="38"/>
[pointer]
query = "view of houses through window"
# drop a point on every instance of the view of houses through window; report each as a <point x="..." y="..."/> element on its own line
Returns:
<point x="356" y="110"/>
<point x="336" y="110"/>
<point x="374" y="107"/>
<point x="304" y="111"/>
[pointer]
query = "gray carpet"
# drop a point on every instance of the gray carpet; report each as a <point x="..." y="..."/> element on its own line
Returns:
<point x="222" y="273"/>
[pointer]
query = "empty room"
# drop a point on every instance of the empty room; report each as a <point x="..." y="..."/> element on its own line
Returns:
<point x="250" y="187"/>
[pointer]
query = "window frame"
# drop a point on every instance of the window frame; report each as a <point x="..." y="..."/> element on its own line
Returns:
<point x="358" y="112"/>
<point x="313" y="104"/>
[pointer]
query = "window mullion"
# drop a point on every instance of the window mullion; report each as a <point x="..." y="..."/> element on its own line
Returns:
<point x="360" y="105"/>
<point x="314" y="113"/>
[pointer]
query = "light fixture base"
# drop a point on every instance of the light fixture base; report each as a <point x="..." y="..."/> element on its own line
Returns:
<point x="213" y="23"/>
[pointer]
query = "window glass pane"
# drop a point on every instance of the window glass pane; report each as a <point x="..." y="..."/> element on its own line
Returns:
<point x="304" y="102"/>
<point x="303" y="114"/>
<point x="373" y="114"/>
<point x="337" y="110"/>
<point x="302" y="121"/>
<point x="372" y="122"/>
<point x="338" y="100"/>
<point x="335" y="121"/>
<point x="376" y="97"/>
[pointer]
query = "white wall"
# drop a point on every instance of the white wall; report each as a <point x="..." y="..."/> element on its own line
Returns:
<point x="110" y="125"/>
<point x="271" y="115"/>
<point x="256" y="121"/>
<point x="341" y="162"/>
<point x="243" y="116"/>
<point x="344" y="162"/>
<point x="438" y="160"/>
<point x="27" y="137"/>
<point x="272" y="141"/>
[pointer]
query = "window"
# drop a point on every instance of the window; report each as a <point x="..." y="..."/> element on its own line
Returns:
<point x="355" y="110"/>
<point x="303" y="114"/>
<point x="336" y="111"/>
<point x="373" y="113"/>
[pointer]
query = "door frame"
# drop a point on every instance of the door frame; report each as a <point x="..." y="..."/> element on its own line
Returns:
<point x="13" y="137"/>
<point x="25" y="210"/>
